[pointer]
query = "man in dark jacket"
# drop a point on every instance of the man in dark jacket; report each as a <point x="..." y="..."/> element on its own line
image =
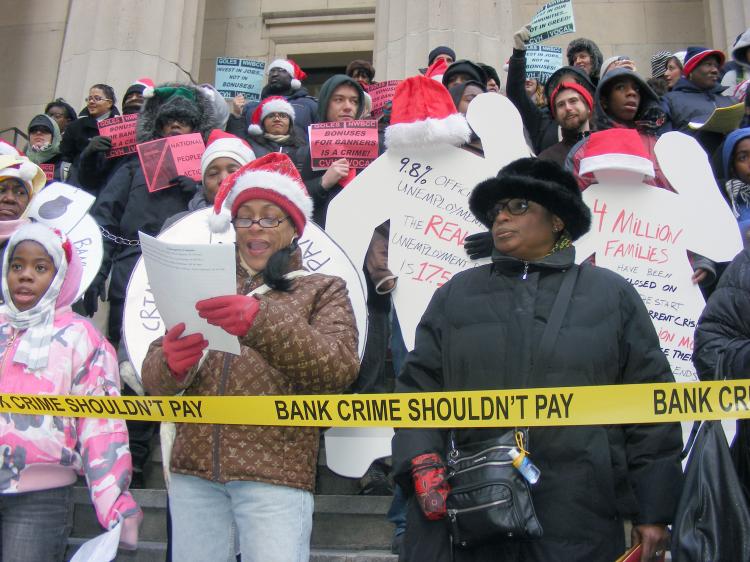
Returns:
<point x="571" y="105"/>
<point x="284" y="79"/>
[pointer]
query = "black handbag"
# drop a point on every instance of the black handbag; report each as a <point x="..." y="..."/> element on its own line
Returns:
<point x="712" y="522"/>
<point x="489" y="498"/>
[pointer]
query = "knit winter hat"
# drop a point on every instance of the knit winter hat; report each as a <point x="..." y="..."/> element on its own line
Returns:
<point x="225" y="145"/>
<point x="659" y="63"/>
<point x="474" y="71"/>
<point x="441" y="50"/>
<point x="695" y="55"/>
<point x="585" y="94"/>
<point x="423" y="114"/>
<point x="542" y="181"/>
<point x="291" y="67"/>
<point x="20" y="167"/>
<point x="41" y="120"/>
<point x="272" y="104"/>
<point x="616" y="149"/>
<point x="273" y="178"/>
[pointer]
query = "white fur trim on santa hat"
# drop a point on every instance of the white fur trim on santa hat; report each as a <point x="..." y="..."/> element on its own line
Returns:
<point x="617" y="161"/>
<point x="452" y="129"/>
<point x="277" y="106"/>
<point x="272" y="181"/>
<point x="283" y="64"/>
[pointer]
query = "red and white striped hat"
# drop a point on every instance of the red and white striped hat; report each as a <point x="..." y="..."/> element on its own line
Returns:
<point x="273" y="104"/>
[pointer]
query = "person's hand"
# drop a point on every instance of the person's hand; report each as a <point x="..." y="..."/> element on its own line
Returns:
<point x="699" y="275"/>
<point x="184" y="183"/>
<point x="182" y="352"/>
<point x="479" y="245"/>
<point x="654" y="541"/>
<point x="92" y="295"/>
<point x="431" y="487"/>
<point x="238" y="102"/>
<point x="335" y="173"/>
<point x="98" y="144"/>
<point x="233" y="313"/>
<point x="521" y="38"/>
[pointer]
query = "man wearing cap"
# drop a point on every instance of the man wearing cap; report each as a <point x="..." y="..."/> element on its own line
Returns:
<point x="463" y="71"/>
<point x="571" y="104"/>
<point x="284" y="79"/>
<point x="696" y="95"/>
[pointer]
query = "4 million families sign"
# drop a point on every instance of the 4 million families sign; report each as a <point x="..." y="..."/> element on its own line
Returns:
<point x="357" y="141"/>
<point x="239" y="76"/>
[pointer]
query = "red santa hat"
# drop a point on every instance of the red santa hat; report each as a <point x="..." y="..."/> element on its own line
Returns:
<point x="148" y="86"/>
<point x="273" y="178"/>
<point x="424" y="114"/>
<point x="436" y="70"/>
<point x="297" y="74"/>
<point x="273" y="104"/>
<point x="616" y="149"/>
<point x="225" y="145"/>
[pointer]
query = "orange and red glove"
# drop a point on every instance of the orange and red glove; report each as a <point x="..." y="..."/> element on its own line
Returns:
<point x="430" y="485"/>
<point x="182" y="353"/>
<point x="233" y="313"/>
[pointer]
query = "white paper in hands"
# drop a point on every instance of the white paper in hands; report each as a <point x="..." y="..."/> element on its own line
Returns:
<point x="102" y="548"/>
<point x="180" y="275"/>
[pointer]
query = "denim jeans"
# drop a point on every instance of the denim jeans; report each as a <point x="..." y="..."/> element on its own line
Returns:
<point x="273" y="522"/>
<point x="397" y="511"/>
<point x="36" y="525"/>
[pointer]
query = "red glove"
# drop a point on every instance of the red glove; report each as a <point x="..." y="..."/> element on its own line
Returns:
<point x="430" y="485"/>
<point x="182" y="353"/>
<point x="233" y="313"/>
<point x="350" y="176"/>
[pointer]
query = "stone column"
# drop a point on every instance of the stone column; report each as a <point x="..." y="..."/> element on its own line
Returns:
<point x="406" y="31"/>
<point x="118" y="42"/>
<point x="726" y="19"/>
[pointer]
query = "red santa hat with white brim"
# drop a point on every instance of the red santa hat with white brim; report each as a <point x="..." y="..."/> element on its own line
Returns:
<point x="292" y="69"/>
<point x="273" y="104"/>
<point x="272" y="178"/>
<point x="423" y="114"/>
<point x="616" y="149"/>
<point x="225" y="145"/>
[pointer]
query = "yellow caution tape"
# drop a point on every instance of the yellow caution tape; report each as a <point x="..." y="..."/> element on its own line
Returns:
<point x="578" y="405"/>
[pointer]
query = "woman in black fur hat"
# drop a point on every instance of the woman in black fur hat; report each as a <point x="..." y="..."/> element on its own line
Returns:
<point x="482" y="330"/>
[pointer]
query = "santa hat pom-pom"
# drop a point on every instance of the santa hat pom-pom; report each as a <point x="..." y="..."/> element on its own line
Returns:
<point x="219" y="224"/>
<point x="296" y="84"/>
<point x="148" y="92"/>
<point x="254" y="130"/>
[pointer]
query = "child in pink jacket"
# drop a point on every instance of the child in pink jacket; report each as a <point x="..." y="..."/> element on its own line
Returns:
<point x="48" y="349"/>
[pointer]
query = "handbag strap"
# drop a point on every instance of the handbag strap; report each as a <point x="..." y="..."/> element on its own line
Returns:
<point x="555" y="320"/>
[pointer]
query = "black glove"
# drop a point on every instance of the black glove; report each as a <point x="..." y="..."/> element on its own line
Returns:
<point x="186" y="184"/>
<point x="479" y="245"/>
<point x="92" y="295"/>
<point x="97" y="144"/>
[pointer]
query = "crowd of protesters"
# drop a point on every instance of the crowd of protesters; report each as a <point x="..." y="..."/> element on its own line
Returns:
<point x="297" y="330"/>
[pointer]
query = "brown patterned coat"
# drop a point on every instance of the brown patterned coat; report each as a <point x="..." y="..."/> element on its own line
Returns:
<point x="302" y="342"/>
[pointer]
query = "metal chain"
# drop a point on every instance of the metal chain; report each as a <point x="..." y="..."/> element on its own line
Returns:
<point x="118" y="239"/>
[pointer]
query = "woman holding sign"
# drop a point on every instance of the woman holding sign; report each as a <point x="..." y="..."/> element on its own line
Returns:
<point x="297" y="336"/>
<point x="272" y="130"/>
<point x="532" y="318"/>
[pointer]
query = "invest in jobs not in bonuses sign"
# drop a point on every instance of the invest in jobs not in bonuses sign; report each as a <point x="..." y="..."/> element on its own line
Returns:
<point x="240" y="76"/>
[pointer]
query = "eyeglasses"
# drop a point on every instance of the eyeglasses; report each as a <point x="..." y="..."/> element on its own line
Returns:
<point x="281" y="116"/>
<point x="95" y="99"/>
<point x="514" y="207"/>
<point x="265" y="222"/>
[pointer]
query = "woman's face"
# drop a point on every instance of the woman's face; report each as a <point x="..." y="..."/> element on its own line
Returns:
<point x="277" y="124"/>
<point x="672" y="72"/>
<point x="215" y="174"/>
<point x="14" y="198"/>
<point x="97" y="103"/>
<point x="527" y="236"/>
<point x="530" y="86"/>
<point x="60" y="116"/>
<point x="39" y="136"/>
<point x="255" y="243"/>
<point x="30" y="273"/>
<point x="470" y="92"/>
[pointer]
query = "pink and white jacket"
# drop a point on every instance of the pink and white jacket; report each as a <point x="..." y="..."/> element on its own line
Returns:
<point x="42" y="452"/>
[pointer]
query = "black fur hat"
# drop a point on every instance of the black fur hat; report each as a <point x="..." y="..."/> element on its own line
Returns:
<point x="158" y="108"/>
<point x="541" y="181"/>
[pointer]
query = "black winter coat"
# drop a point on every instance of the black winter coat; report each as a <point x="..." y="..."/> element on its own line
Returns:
<point x="481" y="331"/>
<point x="125" y="207"/>
<point x="298" y="151"/>
<point x="75" y="140"/>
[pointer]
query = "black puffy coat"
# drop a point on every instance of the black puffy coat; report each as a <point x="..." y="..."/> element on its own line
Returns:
<point x="480" y="331"/>
<point x="297" y="149"/>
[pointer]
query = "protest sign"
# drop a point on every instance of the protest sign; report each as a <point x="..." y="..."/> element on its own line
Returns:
<point x="542" y="61"/>
<point x="424" y="193"/>
<point x="381" y="93"/>
<point x="164" y="159"/>
<point x="644" y="233"/>
<point x="553" y="19"/>
<point x="49" y="171"/>
<point x="240" y="76"/>
<point x="122" y="131"/>
<point x="357" y="141"/>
